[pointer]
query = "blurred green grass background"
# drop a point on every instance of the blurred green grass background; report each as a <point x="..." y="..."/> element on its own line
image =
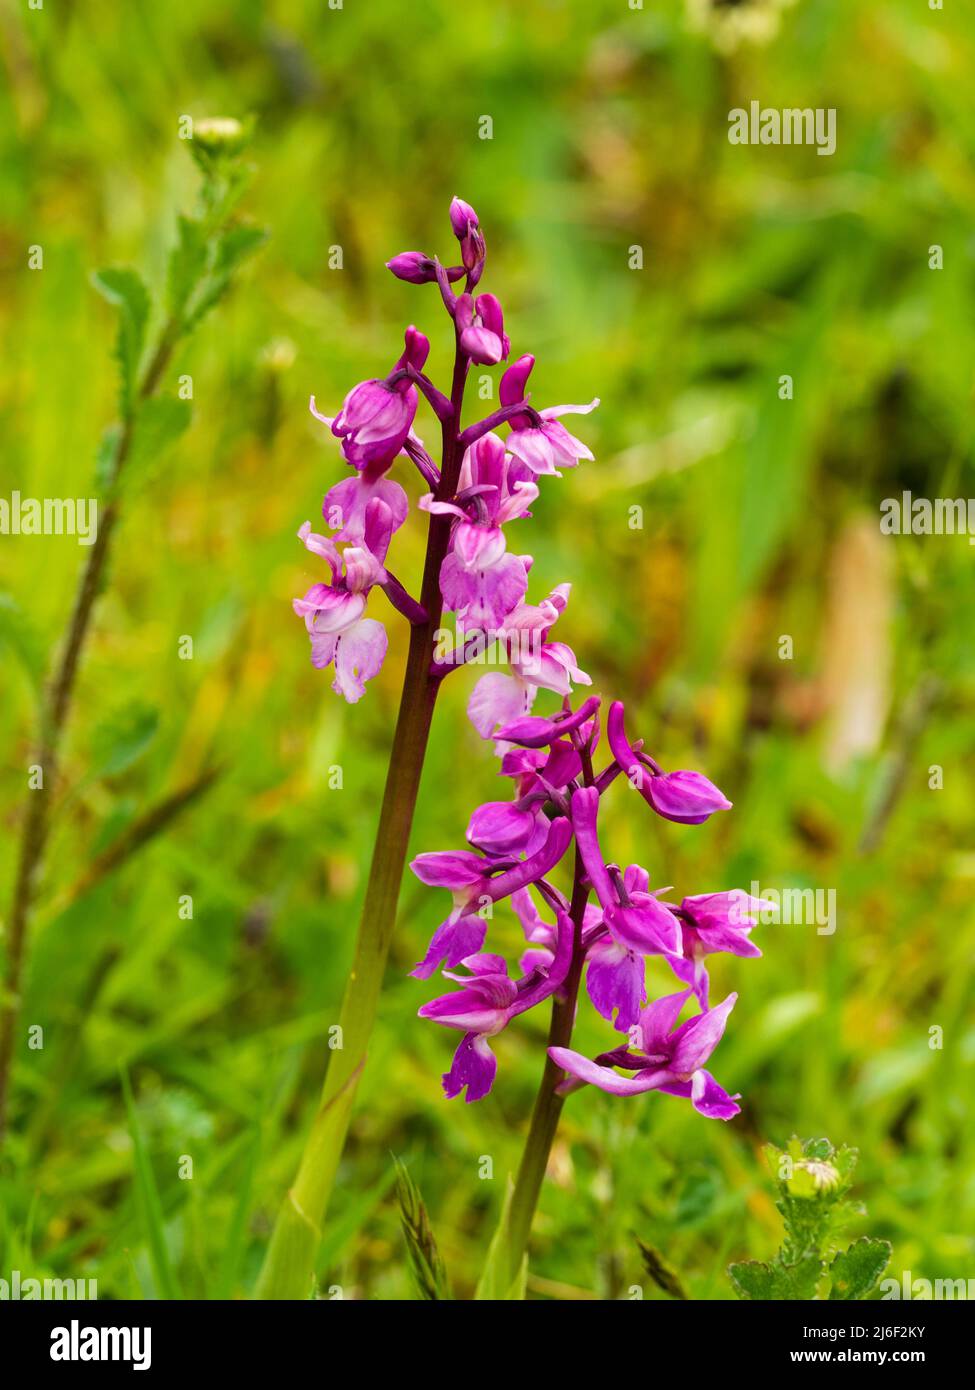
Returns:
<point x="760" y="519"/>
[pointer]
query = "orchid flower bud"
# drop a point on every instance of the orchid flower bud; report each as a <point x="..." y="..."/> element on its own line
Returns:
<point x="463" y="220"/>
<point x="419" y="269"/>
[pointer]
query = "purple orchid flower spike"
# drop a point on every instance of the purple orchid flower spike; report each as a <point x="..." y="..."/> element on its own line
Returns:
<point x="665" y="1060"/>
<point x="486" y="1004"/>
<point x="475" y="883"/>
<point x="537" y="438"/>
<point x="608" y="923"/>
<point x="712" y="922"/>
<point x="686" y="797"/>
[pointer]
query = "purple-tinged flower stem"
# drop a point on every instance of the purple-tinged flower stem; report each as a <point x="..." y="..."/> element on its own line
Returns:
<point x="548" y="1103"/>
<point x="289" y="1264"/>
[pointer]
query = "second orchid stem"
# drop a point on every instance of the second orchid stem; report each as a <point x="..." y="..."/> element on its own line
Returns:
<point x="548" y="1103"/>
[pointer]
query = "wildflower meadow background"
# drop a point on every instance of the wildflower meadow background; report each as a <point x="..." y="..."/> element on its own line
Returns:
<point x="730" y="582"/>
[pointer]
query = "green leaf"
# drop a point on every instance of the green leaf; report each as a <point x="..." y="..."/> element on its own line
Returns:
<point x="778" y="1281"/>
<point x="231" y="248"/>
<point x="150" y="1207"/>
<point x="426" y="1264"/>
<point x="854" y="1272"/>
<point x="662" y="1274"/>
<point x="18" y="633"/>
<point x="494" y="1284"/>
<point x="187" y="265"/>
<point x="235" y="1238"/>
<point x="120" y="740"/>
<point x="752" y="1279"/>
<point x="106" y="458"/>
<point x="158" y="423"/>
<point x="123" y="288"/>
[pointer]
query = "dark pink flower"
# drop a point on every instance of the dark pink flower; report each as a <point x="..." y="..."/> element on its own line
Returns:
<point x="486" y="1004"/>
<point x="480" y="324"/>
<point x="480" y="581"/>
<point x="537" y="438"/>
<point x="637" y="925"/>
<point x="712" y="922"/>
<point x="475" y="883"/>
<point x="466" y="228"/>
<point x="376" y="416"/>
<point x="662" y="1059"/>
<point x="686" y="797"/>
<point x="418" y="269"/>
<point x="333" y="613"/>
<point x="535" y="663"/>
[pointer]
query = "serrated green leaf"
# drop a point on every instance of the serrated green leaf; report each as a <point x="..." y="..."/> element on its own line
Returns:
<point x="124" y="289"/>
<point x="777" y="1281"/>
<point x="751" y="1279"/>
<point x="20" y="636"/>
<point x="855" y="1271"/>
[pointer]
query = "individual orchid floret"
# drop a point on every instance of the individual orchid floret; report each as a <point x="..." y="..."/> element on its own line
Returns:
<point x="505" y="488"/>
<point x="712" y="922"/>
<point x="480" y="324"/>
<point x="333" y="613"/>
<point x="663" y="1058"/>
<point x="537" y="438"/>
<point x="538" y="770"/>
<point x="534" y="731"/>
<point x="535" y="662"/>
<point x="466" y="228"/>
<point x="503" y="829"/>
<point x="475" y="883"/>
<point x="486" y="1003"/>
<point x="376" y="416"/>
<point x="541" y="935"/>
<point x="637" y="924"/>
<point x="346" y="504"/>
<point x="480" y="581"/>
<point x="686" y="797"/>
<point x="418" y="269"/>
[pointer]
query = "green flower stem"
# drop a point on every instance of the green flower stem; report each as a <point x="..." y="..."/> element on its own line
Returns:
<point x="290" y="1261"/>
<point x="55" y="710"/>
<point x="548" y="1104"/>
